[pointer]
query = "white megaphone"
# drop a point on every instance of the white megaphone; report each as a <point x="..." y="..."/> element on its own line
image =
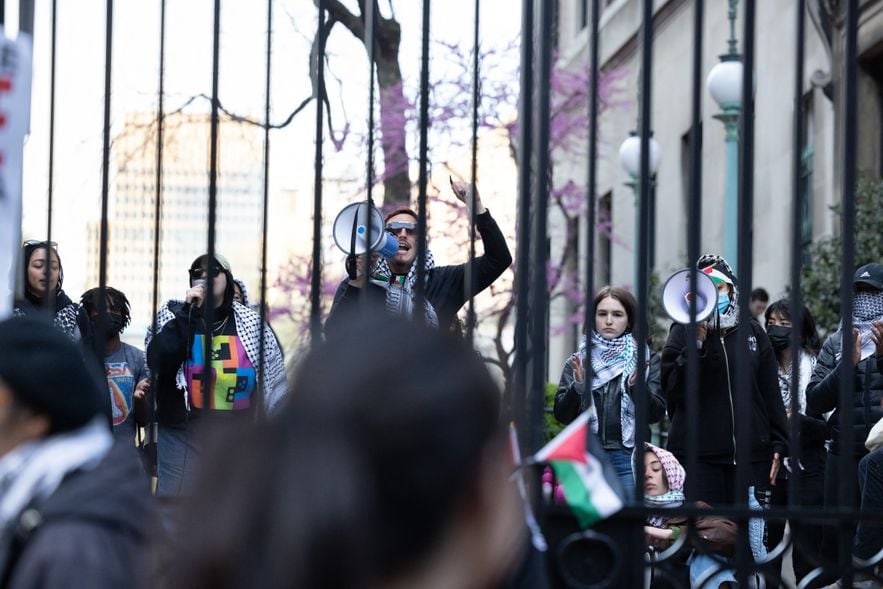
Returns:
<point x="676" y="296"/>
<point x="354" y="225"/>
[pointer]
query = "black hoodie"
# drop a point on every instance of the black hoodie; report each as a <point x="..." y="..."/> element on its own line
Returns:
<point x="718" y="424"/>
<point x="93" y="533"/>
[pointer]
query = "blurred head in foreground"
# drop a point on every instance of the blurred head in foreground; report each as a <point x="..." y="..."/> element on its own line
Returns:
<point x="387" y="468"/>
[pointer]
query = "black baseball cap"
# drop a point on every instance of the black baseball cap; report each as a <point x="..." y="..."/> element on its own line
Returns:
<point x="870" y="274"/>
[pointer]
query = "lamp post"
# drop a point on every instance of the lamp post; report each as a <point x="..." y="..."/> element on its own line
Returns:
<point x="724" y="83"/>
<point x="630" y="160"/>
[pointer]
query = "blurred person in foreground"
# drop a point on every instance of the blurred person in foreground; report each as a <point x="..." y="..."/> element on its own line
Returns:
<point x="387" y="467"/>
<point x="75" y="508"/>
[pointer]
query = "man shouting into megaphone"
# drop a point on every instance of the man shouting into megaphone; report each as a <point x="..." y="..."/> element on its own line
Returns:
<point x="391" y="283"/>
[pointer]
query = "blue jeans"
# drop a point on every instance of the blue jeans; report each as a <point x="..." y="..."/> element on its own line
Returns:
<point x="177" y="454"/>
<point x="621" y="461"/>
<point x="701" y="567"/>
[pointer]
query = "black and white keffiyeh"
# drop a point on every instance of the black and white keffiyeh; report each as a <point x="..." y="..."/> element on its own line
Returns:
<point x="272" y="379"/>
<point x="400" y="291"/>
<point x="867" y="306"/>
<point x="730" y="317"/>
<point x="806" y="365"/>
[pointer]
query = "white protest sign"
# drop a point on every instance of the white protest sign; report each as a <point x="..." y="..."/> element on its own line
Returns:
<point x="15" y="110"/>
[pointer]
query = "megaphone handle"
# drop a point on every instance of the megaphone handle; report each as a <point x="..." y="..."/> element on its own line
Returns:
<point x="351" y="269"/>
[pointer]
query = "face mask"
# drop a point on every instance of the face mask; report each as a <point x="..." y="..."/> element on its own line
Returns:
<point x="723" y="303"/>
<point x="114" y="325"/>
<point x="780" y="336"/>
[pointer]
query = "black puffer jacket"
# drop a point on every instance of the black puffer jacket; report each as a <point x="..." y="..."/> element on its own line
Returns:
<point x="822" y="394"/>
<point x="767" y="429"/>
<point x="571" y="400"/>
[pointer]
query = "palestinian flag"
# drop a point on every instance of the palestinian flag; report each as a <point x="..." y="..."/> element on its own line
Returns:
<point x="590" y="486"/>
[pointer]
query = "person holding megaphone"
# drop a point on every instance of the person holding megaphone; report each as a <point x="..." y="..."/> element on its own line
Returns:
<point x="390" y="286"/>
<point x="713" y="479"/>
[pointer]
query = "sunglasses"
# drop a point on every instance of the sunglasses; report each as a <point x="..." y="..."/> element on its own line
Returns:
<point x="200" y="273"/>
<point x="395" y="226"/>
<point x="43" y="242"/>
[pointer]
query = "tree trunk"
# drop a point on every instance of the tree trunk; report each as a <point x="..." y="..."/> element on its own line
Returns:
<point x="393" y="105"/>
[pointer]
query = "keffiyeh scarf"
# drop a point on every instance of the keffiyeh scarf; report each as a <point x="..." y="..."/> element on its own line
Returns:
<point x="400" y="290"/>
<point x="719" y="270"/>
<point x="616" y="358"/>
<point x="867" y="306"/>
<point x="675" y="475"/>
<point x="271" y="376"/>
<point x="610" y="357"/>
<point x="807" y="364"/>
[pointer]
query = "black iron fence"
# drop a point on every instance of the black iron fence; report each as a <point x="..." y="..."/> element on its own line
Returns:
<point x="525" y="399"/>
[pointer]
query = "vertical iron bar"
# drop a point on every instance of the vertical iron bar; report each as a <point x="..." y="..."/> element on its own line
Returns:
<point x="636" y="541"/>
<point x="209" y="302"/>
<point x="157" y="211"/>
<point x="742" y="402"/>
<point x="796" y="303"/>
<point x="694" y="224"/>
<point x="541" y="181"/>
<point x="370" y="6"/>
<point x="316" y="274"/>
<point x="423" y="163"/>
<point x="259" y="402"/>
<point x="641" y="329"/>
<point x="105" y="181"/>
<point x="476" y="97"/>
<point x="47" y="269"/>
<point x="518" y="392"/>
<point x="592" y="187"/>
<point x="847" y="476"/>
<point x="52" y="60"/>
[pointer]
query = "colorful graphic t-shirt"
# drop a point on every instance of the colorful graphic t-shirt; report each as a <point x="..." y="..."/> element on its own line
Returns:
<point x="124" y="367"/>
<point x="232" y="378"/>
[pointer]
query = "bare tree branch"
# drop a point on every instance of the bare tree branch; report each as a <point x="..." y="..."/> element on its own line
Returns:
<point x="355" y="24"/>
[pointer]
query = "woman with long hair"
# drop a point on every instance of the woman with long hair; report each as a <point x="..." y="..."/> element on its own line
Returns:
<point x="614" y="365"/>
<point x="43" y="276"/>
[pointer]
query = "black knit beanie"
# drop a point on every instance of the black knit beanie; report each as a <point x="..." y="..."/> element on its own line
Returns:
<point x="47" y="373"/>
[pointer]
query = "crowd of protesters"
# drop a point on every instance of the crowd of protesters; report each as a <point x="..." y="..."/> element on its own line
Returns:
<point x="384" y="449"/>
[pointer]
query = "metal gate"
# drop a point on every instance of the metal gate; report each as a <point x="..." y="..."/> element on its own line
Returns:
<point x="614" y="554"/>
